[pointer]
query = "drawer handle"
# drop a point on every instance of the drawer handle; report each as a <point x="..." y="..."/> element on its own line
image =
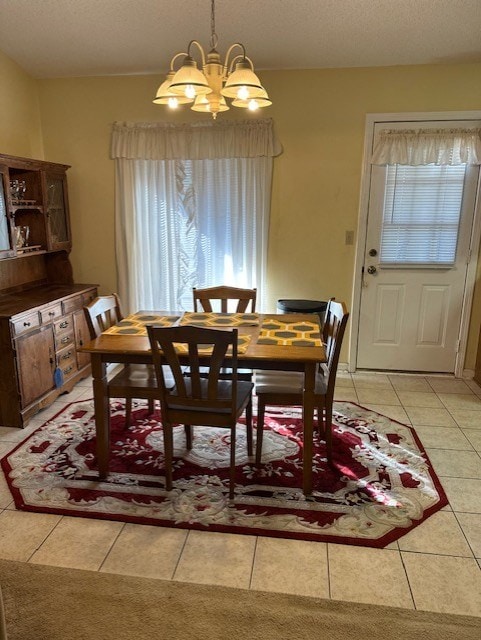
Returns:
<point x="68" y="370"/>
<point x="67" y="355"/>
<point x="64" y="324"/>
<point x="51" y="313"/>
<point x="65" y="340"/>
<point x="26" y="324"/>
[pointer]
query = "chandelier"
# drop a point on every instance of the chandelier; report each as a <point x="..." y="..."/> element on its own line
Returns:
<point x="208" y="89"/>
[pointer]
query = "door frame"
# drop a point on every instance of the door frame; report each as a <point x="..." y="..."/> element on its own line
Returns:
<point x="371" y="120"/>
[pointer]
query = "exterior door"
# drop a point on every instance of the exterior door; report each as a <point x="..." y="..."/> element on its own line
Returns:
<point x="410" y="312"/>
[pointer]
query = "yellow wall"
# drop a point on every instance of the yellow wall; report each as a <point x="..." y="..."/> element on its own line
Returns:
<point x="20" y="132"/>
<point x="319" y="117"/>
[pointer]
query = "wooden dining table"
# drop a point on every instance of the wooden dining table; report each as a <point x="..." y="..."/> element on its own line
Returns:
<point x="258" y="354"/>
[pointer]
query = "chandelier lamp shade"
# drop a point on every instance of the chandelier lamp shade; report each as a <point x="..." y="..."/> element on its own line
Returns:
<point x="206" y="89"/>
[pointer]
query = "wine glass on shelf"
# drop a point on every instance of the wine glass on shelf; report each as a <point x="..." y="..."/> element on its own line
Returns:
<point x="14" y="188"/>
<point x="22" y="234"/>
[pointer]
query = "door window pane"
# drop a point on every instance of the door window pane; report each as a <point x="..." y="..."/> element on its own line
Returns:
<point x="422" y="210"/>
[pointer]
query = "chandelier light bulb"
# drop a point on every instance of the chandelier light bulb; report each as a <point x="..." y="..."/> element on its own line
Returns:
<point x="253" y="105"/>
<point x="173" y="103"/>
<point x="243" y="93"/>
<point x="189" y="91"/>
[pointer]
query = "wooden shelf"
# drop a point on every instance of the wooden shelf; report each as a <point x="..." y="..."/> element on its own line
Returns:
<point x="29" y="250"/>
<point x="26" y="207"/>
<point x="24" y="203"/>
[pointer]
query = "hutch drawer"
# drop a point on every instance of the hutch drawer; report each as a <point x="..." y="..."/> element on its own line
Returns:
<point x="26" y="323"/>
<point x="50" y="313"/>
<point x="72" y="304"/>
<point x="63" y="325"/>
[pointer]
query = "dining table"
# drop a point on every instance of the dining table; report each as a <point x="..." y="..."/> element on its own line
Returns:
<point x="287" y="342"/>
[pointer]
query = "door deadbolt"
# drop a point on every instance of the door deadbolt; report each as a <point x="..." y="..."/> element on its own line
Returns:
<point x="372" y="252"/>
<point x="372" y="269"/>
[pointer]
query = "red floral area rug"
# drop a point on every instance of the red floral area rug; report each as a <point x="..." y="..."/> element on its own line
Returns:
<point x="382" y="485"/>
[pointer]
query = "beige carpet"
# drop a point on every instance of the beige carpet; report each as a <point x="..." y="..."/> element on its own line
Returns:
<point x="49" y="603"/>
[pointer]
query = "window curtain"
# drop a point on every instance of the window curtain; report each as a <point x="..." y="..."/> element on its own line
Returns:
<point x="428" y="146"/>
<point x="192" y="208"/>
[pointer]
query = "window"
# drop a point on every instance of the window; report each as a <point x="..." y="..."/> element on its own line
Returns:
<point x="198" y="223"/>
<point x="422" y="208"/>
<point x="192" y="209"/>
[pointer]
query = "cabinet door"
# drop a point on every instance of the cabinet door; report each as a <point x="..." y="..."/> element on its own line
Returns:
<point x="82" y="336"/>
<point x="6" y="249"/>
<point x="56" y="209"/>
<point x="35" y="364"/>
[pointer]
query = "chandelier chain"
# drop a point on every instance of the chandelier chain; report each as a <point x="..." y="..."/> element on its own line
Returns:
<point x="213" y="37"/>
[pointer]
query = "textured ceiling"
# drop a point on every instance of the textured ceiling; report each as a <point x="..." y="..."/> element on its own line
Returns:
<point x="58" y="38"/>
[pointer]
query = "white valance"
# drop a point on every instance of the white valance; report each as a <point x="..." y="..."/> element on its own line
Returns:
<point x="428" y="146"/>
<point x="194" y="141"/>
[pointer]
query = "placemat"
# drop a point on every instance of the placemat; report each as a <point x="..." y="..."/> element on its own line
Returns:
<point x="213" y="319"/>
<point x="295" y="334"/>
<point x="136" y="323"/>
<point x="242" y="345"/>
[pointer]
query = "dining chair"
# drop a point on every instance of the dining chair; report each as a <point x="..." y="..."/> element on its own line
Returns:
<point x="285" y="388"/>
<point x="206" y="298"/>
<point x="223" y="294"/>
<point x="197" y="399"/>
<point x="133" y="380"/>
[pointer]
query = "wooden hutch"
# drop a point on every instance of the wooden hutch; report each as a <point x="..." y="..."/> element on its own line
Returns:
<point x="41" y="309"/>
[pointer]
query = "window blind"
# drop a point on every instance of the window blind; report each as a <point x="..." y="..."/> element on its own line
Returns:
<point x="422" y="210"/>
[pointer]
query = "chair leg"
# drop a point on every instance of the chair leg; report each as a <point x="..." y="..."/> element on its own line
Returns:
<point x="249" y="428"/>
<point x="168" y="454"/>
<point x="151" y="406"/>
<point x="328" y="430"/>
<point x="188" y="436"/>
<point x="232" y="463"/>
<point x="321" y="422"/>
<point x="128" y="411"/>
<point x="261" y="408"/>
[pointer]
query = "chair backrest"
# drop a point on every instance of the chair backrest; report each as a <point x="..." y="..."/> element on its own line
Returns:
<point x="334" y="328"/>
<point x="194" y="389"/>
<point x="324" y="328"/>
<point x="223" y="294"/>
<point x="102" y="313"/>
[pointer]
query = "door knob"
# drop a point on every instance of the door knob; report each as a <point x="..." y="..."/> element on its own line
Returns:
<point x="372" y="269"/>
<point x="372" y="252"/>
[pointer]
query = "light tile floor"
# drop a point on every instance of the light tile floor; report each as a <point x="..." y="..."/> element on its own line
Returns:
<point x="435" y="567"/>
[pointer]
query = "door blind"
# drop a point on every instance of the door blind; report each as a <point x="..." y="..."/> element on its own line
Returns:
<point x="422" y="210"/>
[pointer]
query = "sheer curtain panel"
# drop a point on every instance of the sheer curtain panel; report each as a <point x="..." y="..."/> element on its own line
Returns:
<point x="192" y="208"/>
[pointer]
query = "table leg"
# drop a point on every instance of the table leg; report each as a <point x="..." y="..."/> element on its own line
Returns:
<point x="308" y="420"/>
<point x="102" y="414"/>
